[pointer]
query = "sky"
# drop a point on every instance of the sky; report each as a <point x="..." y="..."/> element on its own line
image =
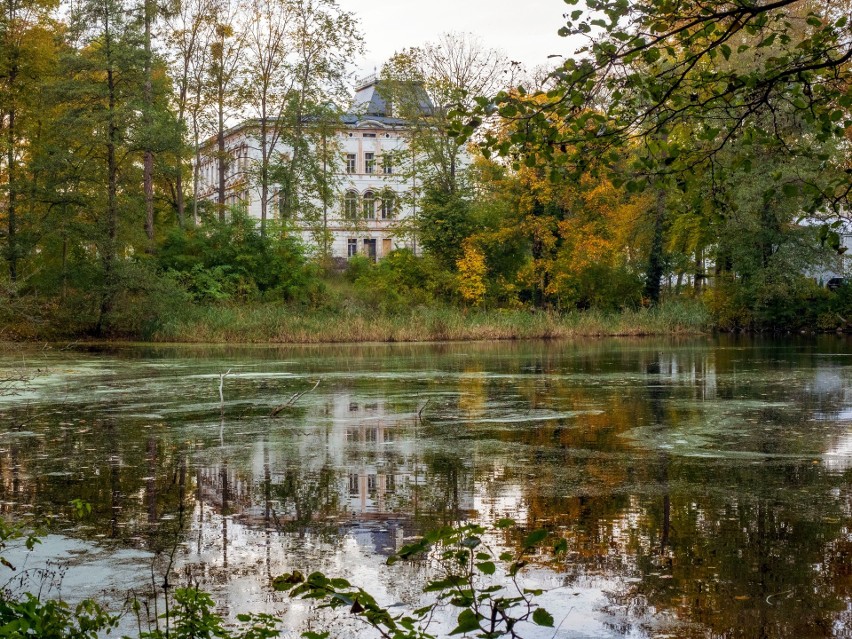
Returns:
<point x="525" y="30"/>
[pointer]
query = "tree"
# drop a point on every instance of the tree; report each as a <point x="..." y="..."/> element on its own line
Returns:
<point x="424" y="87"/>
<point x="27" y="54"/>
<point x="652" y="66"/>
<point x="223" y="77"/>
<point x="189" y="33"/>
<point x="298" y="51"/>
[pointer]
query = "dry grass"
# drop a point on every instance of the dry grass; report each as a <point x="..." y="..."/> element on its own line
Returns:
<point x="275" y="323"/>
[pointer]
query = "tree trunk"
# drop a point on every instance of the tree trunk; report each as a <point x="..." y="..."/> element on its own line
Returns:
<point x="148" y="163"/>
<point x="109" y="249"/>
<point x="220" y="139"/>
<point x="699" y="271"/>
<point x="12" y="221"/>
<point x="264" y="168"/>
<point x="654" y="272"/>
<point x="196" y="170"/>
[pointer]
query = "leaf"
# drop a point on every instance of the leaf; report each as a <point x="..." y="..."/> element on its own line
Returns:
<point x="487" y="567"/>
<point x="287" y="581"/>
<point x="468" y="621"/>
<point x="471" y="542"/>
<point x="542" y="617"/>
<point x="767" y="41"/>
<point x="315" y="635"/>
<point x="535" y="538"/>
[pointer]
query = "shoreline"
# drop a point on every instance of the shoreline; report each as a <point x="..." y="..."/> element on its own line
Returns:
<point x="280" y="324"/>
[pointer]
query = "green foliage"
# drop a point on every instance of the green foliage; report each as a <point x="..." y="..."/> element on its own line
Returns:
<point x="461" y="564"/>
<point x="229" y="260"/>
<point x="400" y="280"/>
<point x="443" y="223"/>
<point x="795" y="303"/>
<point x="28" y="616"/>
<point x="31" y="617"/>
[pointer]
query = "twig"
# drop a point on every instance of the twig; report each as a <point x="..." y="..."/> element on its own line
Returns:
<point x="290" y="402"/>
<point x="422" y="408"/>
<point x="70" y="345"/>
<point x="221" y="392"/>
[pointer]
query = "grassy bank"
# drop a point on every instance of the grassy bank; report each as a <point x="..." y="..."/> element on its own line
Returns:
<point x="276" y="323"/>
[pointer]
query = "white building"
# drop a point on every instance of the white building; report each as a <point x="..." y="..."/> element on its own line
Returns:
<point x="369" y="216"/>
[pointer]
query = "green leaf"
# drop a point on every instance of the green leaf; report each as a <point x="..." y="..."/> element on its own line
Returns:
<point x="287" y="581"/>
<point x="315" y="635"/>
<point x="767" y="41"/>
<point x="468" y="621"/>
<point x="471" y="542"/>
<point x="542" y="617"/>
<point x="535" y="538"/>
<point x="487" y="567"/>
<point x="504" y="523"/>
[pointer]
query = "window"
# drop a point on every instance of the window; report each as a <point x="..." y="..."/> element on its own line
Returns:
<point x="388" y="205"/>
<point x="370" y="249"/>
<point x="350" y="205"/>
<point x="369" y="135"/>
<point x="369" y="162"/>
<point x="350" y="163"/>
<point x="352" y="251"/>
<point x="387" y="164"/>
<point x="369" y="205"/>
<point x="353" y="484"/>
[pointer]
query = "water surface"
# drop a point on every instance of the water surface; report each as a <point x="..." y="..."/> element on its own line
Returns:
<point x="702" y="485"/>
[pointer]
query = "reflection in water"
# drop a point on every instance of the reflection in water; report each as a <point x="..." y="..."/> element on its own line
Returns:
<point x="702" y="486"/>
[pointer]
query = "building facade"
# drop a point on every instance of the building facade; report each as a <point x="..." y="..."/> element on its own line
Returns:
<point x="373" y="210"/>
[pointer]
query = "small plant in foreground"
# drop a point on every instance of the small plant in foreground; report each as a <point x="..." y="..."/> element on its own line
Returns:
<point x="464" y="567"/>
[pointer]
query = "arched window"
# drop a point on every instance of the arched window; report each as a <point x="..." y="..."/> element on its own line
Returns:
<point x="369" y="205"/>
<point x="388" y="204"/>
<point x="350" y="205"/>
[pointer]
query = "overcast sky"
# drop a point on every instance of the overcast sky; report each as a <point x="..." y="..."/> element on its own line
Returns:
<point x="525" y="30"/>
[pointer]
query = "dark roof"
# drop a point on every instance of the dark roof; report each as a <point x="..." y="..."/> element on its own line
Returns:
<point x="370" y="104"/>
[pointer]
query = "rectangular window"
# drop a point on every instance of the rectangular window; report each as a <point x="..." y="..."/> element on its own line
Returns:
<point x="354" y="484"/>
<point x="370" y="249"/>
<point x="369" y="135"/>
<point x="369" y="162"/>
<point x="387" y="164"/>
<point x="351" y="251"/>
<point x="350" y="163"/>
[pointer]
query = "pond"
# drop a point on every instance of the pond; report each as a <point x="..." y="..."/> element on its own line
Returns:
<point x="702" y="485"/>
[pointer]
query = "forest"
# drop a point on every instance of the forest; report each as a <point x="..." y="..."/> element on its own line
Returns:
<point x="687" y="169"/>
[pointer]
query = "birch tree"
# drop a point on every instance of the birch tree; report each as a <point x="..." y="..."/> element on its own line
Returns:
<point x="188" y="36"/>
<point x="299" y="53"/>
<point x="223" y="80"/>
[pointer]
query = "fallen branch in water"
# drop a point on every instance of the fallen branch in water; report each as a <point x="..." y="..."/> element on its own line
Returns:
<point x="292" y="401"/>
<point x="222" y="393"/>
<point x="422" y="408"/>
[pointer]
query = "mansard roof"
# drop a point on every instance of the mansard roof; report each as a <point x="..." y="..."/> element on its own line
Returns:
<point x="370" y="104"/>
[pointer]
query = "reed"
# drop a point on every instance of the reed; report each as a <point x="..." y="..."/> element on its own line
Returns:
<point x="277" y="323"/>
